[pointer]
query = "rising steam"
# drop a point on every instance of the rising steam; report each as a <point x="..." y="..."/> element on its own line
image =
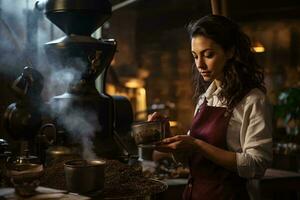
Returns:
<point x="14" y="29"/>
<point x="82" y="125"/>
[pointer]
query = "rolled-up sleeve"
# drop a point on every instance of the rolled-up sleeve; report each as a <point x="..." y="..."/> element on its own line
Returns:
<point x="256" y="139"/>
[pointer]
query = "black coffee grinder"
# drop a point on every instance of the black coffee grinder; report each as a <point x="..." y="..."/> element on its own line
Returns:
<point x="81" y="117"/>
<point x="89" y="117"/>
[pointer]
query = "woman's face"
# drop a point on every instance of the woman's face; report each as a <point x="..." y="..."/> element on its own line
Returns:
<point x="209" y="58"/>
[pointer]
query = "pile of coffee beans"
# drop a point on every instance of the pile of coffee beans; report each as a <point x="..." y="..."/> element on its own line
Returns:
<point x="121" y="180"/>
<point x="54" y="176"/>
<point x="124" y="180"/>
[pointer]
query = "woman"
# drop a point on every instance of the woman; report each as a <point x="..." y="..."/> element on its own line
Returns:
<point x="230" y="137"/>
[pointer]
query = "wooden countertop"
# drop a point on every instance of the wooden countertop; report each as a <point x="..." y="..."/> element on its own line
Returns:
<point x="43" y="193"/>
<point x="274" y="180"/>
<point x="277" y="173"/>
<point x="280" y="180"/>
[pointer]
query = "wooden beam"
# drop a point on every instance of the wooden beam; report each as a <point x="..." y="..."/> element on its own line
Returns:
<point x="215" y="7"/>
<point x="219" y="7"/>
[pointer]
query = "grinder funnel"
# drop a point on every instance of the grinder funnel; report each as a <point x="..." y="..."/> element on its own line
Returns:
<point x="79" y="17"/>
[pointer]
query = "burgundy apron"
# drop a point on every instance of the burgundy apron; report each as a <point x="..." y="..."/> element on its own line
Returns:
<point x="207" y="180"/>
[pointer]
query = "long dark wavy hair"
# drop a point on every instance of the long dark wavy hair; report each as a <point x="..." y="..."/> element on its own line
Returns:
<point x="242" y="72"/>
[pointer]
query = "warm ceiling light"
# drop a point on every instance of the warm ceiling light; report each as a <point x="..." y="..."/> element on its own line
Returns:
<point x="134" y="83"/>
<point x="258" y="47"/>
<point x="173" y="123"/>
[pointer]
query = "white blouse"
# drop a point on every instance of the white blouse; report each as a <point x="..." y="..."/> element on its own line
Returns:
<point x="249" y="131"/>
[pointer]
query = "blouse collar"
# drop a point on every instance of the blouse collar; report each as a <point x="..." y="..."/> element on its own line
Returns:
<point x="212" y="90"/>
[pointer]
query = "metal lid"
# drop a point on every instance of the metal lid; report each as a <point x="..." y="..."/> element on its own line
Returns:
<point x="84" y="163"/>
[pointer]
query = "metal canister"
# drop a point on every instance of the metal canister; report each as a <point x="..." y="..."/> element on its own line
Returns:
<point x="84" y="176"/>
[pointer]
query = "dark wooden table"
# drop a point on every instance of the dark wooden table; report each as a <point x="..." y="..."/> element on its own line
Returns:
<point x="276" y="184"/>
<point x="280" y="184"/>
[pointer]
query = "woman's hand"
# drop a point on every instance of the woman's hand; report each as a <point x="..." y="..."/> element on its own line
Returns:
<point x="177" y="143"/>
<point x="159" y="117"/>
